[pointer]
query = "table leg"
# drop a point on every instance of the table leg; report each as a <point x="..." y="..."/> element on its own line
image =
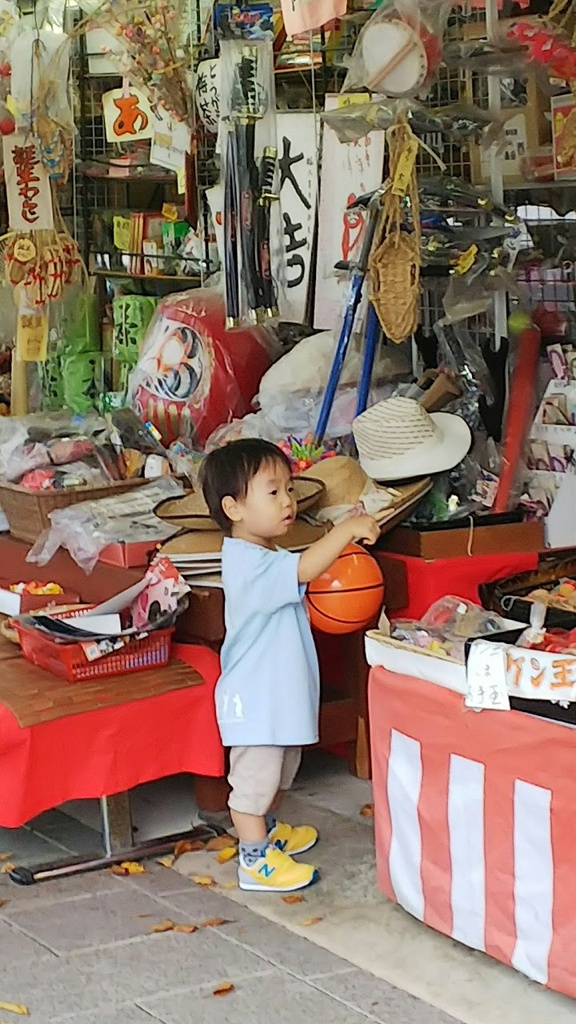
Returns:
<point x="116" y="817"/>
<point x="117" y="837"/>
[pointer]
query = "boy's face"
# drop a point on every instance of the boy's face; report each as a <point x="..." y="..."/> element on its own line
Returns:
<point x="269" y="508"/>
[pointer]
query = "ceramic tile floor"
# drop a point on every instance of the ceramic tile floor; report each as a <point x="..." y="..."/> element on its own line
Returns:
<point x="81" y="950"/>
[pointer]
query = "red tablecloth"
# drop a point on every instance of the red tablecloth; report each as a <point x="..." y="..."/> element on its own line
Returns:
<point x="107" y="751"/>
<point x="429" y="580"/>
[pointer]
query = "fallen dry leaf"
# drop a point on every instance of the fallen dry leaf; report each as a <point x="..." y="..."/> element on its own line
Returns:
<point x="225" y="842"/>
<point x="206" y="880"/>
<point x="128" y="867"/>
<point x="214" y="922"/>
<point x="308" y="921"/>
<point x="7" y="868"/>
<point x="224" y="989"/>
<point x="187" y="846"/>
<point x="4" y="902"/>
<point x="6" y="856"/>
<point x="225" y="855"/>
<point x="186" y="929"/>
<point x="23" y="1011"/>
<point x="228" y="885"/>
<point x="164" y="926"/>
<point x="293" y="899"/>
<point x="166" y="862"/>
<point x="367" y="811"/>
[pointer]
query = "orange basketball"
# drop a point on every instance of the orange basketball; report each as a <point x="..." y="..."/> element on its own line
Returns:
<point x="348" y="595"/>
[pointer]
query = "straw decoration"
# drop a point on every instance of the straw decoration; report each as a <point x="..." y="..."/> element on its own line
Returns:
<point x="395" y="260"/>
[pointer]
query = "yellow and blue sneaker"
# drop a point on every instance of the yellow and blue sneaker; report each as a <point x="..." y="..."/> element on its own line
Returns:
<point x="275" y="871"/>
<point x="292" y="839"/>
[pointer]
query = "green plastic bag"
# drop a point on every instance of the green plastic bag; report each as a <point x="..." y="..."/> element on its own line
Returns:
<point x="132" y="314"/>
<point x="83" y="380"/>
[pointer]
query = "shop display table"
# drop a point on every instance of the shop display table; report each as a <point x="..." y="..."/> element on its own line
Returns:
<point x="474" y="817"/>
<point x="64" y="741"/>
<point x="414" y="583"/>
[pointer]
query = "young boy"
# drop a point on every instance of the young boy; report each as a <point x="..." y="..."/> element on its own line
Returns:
<point x="267" y="698"/>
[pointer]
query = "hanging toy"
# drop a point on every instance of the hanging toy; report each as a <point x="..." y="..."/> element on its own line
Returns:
<point x="396" y="257"/>
<point x="547" y="46"/>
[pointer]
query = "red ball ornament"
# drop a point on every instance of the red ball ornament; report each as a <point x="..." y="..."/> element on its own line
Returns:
<point x="348" y="595"/>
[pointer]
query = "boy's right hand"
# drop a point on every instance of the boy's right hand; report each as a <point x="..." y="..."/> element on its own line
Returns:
<point x="364" y="528"/>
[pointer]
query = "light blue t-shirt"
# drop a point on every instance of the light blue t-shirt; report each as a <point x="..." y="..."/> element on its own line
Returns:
<point x="269" y="690"/>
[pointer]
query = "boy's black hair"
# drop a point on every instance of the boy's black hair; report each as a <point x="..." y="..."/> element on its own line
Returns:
<point x="227" y="471"/>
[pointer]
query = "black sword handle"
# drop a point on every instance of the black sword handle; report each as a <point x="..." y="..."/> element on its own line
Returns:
<point x="244" y="135"/>
<point x="265" y="199"/>
<point x="231" y="236"/>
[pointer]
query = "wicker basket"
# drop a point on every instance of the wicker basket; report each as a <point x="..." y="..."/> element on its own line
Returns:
<point x="27" y="511"/>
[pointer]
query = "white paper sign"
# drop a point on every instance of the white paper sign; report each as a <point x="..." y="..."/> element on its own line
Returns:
<point x="127" y="115"/>
<point x="27" y="185"/>
<point x="486" y="684"/>
<point x="298" y="166"/>
<point x="170" y="141"/>
<point x="541" y="675"/>
<point x="348" y="170"/>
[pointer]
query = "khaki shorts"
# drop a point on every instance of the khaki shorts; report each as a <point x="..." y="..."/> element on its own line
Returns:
<point x="257" y="773"/>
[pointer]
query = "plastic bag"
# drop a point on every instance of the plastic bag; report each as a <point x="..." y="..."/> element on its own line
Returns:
<point x="252" y="228"/>
<point x="399" y="49"/>
<point x="87" y="528"/>
<point x="446" y="626"/>
<point x="297" y="415"/>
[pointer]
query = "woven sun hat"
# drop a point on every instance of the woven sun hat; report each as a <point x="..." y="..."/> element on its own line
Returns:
<point x="398" y="440"/>
<point x="209" y="543"/>
<point x="347" y="487"/>
<point x="191" y="511"/>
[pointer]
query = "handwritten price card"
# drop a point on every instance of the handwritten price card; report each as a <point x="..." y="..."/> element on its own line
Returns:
<point x="486" y="685"/>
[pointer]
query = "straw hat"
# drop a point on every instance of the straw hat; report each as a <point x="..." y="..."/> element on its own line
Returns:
<point x="346" y="484"/>
<point x="191" y="511"/>
<point x="209" y="542"/>
<point x="397" y="440"/>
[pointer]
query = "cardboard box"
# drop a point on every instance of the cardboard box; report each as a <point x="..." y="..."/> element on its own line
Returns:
<point x="506" y="538"/>
<point x="564" y="136"/>
<point x="128" y="556"/>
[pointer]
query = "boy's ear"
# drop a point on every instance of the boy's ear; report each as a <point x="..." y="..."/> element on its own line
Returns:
<point x="231" y="509"/>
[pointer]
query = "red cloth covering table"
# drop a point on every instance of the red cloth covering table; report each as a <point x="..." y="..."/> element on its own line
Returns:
<point x="110" y="750"/>
<point x="425" y="580"/>
<point x="474" y="817"/>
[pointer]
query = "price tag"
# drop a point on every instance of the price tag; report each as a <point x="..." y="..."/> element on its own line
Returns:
<point x="32" y="336"/>
<point x="122" y="228"/>
<point x="486" y="687"/>
<point x="404" y="168"/>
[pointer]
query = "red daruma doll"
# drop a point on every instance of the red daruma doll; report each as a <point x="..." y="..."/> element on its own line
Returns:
<point x="348" y="595"/>
<point x="193" y="375"/>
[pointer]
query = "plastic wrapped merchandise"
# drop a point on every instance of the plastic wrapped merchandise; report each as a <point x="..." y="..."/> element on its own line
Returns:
<point x="446" y="627"/>
<point x="399" y="50"/>
<point x="193" y="375"/>
<point x="87" y="528"/>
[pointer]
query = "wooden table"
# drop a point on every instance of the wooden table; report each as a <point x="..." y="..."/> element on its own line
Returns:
<point x="99" y="739"/>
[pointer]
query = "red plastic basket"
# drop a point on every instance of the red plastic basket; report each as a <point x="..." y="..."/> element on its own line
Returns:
<point x="70" y="661"/>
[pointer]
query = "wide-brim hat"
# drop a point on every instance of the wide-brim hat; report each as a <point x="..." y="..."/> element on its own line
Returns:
<point x="346" y="483"/>
<point x="191" y="512"/>
<point x="398" y="440"/>
<point x="209" y="542"/>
